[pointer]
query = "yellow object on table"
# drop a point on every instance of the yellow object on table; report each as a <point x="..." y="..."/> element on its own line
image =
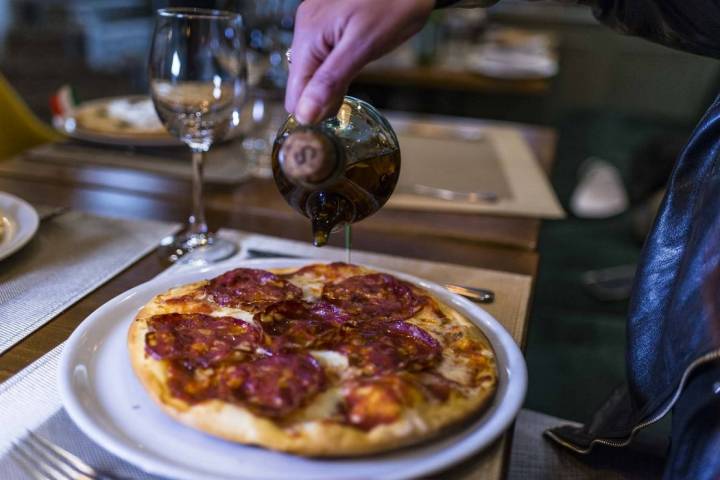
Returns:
<point x="20" y="129"/>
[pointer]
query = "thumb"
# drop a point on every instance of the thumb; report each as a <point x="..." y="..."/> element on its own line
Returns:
<point x="326" y="89"/>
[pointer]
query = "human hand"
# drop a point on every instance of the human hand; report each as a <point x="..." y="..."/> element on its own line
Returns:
<point x="334" y="39"/>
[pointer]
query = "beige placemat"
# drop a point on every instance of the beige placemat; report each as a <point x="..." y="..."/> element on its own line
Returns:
<point x="225" y="163"/>
<point x="471" y="165"/>
<point x="491" y="161"/>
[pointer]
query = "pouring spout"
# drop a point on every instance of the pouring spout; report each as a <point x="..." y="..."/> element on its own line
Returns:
<point x="320" y="232"/>
<point x="328" y="212"/>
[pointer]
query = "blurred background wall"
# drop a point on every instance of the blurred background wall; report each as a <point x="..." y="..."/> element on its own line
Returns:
<point x="100" y="47"/>
<point x="601" y="69"/>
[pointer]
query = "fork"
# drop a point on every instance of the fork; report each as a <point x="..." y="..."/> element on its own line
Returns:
<point x="43" y="460"/>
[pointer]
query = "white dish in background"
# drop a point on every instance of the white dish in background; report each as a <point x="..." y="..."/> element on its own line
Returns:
<point x="129" y="121"/>
<point x="19" y="223"/>
<point x="102" y="395"/>
<point x="136" y="111"/>
<point x="512" y="64"/>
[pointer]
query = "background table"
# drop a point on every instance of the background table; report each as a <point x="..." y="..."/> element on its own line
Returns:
<point x="443" y="78"/>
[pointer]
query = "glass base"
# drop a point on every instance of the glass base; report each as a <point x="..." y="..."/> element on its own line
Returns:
<point x="200" y="248"/>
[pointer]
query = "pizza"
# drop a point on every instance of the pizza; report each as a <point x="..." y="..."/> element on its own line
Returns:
<point x="325" y="360"/>
<point x="126" y="116"/>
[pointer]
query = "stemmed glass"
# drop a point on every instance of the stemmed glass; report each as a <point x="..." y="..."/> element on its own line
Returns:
<point x="269" y="27"/>
<point x="198" y="84"/>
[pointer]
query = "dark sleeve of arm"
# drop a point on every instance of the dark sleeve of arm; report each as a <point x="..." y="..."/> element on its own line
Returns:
<point x="465" y="3"/>
<point x="691" y="25"/>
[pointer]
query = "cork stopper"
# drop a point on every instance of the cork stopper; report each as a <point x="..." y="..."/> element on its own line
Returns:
<point x="308" y="156"/>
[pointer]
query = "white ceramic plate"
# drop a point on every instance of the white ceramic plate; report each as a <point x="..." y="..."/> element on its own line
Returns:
<point x="20" y="222"/>
<point x="73" y="128"/>
<point x="102" y="138"/>
<point x="104" y="398"/>
<point x="117" y="137"/>
<point x="512" y="65"/>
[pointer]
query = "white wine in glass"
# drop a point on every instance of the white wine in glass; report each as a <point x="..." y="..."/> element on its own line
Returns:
<point x="198" y="84"/>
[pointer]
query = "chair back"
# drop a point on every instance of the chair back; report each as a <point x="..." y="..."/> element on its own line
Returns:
<point x="20" y="129"/>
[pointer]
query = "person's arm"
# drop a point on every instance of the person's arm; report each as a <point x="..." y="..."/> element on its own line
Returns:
<point x="334" y="39"/>
<point x="690" y="25"/>
<point x="465" y="3"/>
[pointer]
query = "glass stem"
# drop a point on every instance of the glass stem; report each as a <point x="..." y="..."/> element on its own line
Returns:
<point x="348" y="242"/>
<point x="196" y="221"/>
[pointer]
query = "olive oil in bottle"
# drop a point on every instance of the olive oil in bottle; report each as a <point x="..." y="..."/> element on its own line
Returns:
<point x="339" y="171"/>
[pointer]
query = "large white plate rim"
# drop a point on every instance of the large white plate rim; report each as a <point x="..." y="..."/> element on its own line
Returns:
<point x="510" y="394"/>
<point x="25" y="222"/>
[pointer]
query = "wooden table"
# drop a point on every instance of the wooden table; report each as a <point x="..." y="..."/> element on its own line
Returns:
<point x="507" y="244"/>
<point x="444" y="78"/>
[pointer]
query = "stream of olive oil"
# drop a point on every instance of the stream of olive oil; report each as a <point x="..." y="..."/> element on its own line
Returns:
<point x="348" y="242"/>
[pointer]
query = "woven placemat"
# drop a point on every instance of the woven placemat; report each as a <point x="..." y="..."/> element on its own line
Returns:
<point x="70" y="256"/>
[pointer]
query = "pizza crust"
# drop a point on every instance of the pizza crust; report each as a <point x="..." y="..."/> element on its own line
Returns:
<point x="303" y="433"/>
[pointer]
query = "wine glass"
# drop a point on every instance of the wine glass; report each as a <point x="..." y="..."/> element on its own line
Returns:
<point x="198" y="84"/>
<point x="268" y="27"/>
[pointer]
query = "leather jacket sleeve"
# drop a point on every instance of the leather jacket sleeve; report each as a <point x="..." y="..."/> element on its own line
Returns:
<point x="690" y="25"/>
<point x="696" y="429"/>
<point x="465" y="3"/>
<point x="673" y="350"/>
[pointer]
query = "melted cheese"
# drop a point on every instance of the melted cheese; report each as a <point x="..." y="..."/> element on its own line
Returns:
<point x="238" y="313"/>
<point x="312" y="290"/>
<point x="323" y="406"/>
<point x="331" y="360"/>
<point x="312" y="286"/>
<point x="452" y="370"/>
